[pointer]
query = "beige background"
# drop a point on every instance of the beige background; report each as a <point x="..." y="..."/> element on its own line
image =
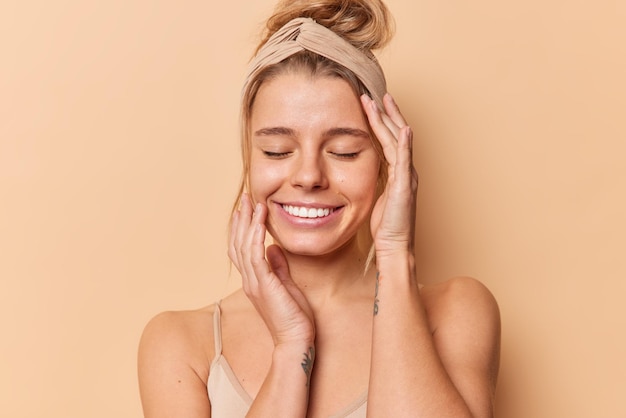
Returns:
<point x="119" y="162"/>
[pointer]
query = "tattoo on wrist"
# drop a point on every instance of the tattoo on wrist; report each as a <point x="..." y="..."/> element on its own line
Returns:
<point x="376" y="294"/>
<point x="307" y="364"/>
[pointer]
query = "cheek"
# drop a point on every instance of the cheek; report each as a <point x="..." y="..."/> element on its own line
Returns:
<point x="264" y="179"/>
<point x="369" y="186"/>
<point x="362" y="184"/>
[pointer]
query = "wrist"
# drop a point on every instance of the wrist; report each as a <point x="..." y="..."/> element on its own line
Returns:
<point x="295" y="358"/>
<point x="292" y="348"/>
<point x="397" y="260"/>
<point x="397" y="270"/>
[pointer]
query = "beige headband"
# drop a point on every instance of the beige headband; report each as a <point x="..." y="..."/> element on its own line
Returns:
<point x="305" y="34"/>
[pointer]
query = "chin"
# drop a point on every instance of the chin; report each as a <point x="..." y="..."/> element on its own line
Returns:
<point x="313" y="247"/>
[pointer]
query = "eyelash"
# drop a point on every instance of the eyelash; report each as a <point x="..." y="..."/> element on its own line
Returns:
<point x="345" y="156"/>
<point x="271" y="154"/>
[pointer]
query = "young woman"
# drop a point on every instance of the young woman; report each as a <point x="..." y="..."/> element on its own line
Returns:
<point x="331" y="320"/>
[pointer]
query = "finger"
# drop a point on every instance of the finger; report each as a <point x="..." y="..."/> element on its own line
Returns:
<point x="253" y="249"/>
<point x="400" y="175"/>
<point x="280" y="267"/>
<point x="406" y="178"/>
<point x="278" y="262"/>
<point x="242" y="242"/>
<point x="258" y="262"/>
<point x="391" y="125"/>
<point x="413" y="172"/>
<point x="385" y="136"/>
<point x="392" y="117"/>
<point x="393" y="111"/>
<point x="243" y="223"/>
<point x="238" y="227"/>
<point x="232" y="252"/>
<point x="409" y="180"/>
<point x="404" y="166"/>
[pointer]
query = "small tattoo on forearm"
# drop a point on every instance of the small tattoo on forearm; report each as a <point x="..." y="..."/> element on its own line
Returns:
<point x="307" y="364"/>
<point x="376" y="294"/>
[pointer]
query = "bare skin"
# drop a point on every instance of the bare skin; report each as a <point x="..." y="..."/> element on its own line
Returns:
<point x="177" y="348"/>
<point x="301" y="335"/>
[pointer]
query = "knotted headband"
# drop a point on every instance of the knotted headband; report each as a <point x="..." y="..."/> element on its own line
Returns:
<point x="305" y="34"/>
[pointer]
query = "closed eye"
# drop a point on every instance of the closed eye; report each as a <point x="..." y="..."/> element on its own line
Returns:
<point x="345" y="155"/>
<point x="271" y="154"/>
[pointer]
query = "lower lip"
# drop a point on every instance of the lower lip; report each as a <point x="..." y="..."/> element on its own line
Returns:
<point x="307" y="222"/>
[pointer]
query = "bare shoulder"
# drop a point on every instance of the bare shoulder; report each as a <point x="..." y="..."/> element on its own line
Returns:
<point x="189" y="332"/>
<point x="182" y="322"/>
<point x="175" y="353"/>
<point x="459" y="302"/>
<point x="465" y="323"/>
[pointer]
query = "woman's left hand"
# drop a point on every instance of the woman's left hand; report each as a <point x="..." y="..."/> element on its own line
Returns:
<point x="393" y="215"/>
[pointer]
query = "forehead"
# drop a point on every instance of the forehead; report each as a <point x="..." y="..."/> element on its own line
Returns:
<point x="304" y="101"/>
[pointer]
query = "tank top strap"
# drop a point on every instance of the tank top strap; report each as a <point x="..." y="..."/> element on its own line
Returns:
<point x="217" y="330"/>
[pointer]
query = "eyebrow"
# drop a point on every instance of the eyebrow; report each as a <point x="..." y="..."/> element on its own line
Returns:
<point x="283" y="131"/>
<point x="275" y="131"/>
<point x="346" y="131"/>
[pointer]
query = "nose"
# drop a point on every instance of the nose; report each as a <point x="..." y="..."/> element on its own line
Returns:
<point x="309" y="172"/>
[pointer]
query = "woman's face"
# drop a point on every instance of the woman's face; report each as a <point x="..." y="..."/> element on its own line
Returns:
<point x="312" y="162"/>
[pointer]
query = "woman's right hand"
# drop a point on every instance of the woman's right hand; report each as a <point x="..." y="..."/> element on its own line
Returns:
<point x="266" y="279"/>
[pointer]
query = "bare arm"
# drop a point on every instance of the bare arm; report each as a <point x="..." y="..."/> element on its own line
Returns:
<point x="413" y="372"/>
<point x="285" y="311"/>
<point x="467" y="339"/>
<point x="285" y="390"/>
<point x="173" y="368"/>
<point x="449" y="373"/>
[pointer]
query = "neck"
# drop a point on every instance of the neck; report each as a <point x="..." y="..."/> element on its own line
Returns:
<point x="325" y="278"/>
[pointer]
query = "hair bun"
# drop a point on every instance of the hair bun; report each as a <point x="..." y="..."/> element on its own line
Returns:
<point x="366" y="24"/>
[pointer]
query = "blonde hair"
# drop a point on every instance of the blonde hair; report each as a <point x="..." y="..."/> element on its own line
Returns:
<point x="366" y="24"/>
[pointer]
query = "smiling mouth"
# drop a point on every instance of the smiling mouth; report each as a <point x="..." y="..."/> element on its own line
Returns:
<point x="302" y="212"/>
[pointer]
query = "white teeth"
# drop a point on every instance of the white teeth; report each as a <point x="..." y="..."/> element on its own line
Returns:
<point x="302" y="212"/>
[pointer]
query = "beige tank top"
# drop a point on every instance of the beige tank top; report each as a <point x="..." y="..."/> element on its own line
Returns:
<point x="230" y="400"/>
